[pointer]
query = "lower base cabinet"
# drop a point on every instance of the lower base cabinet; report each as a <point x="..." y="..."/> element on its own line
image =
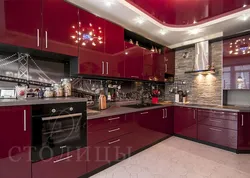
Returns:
<point x="68" y="165"/>
<point x="219" y="136"/>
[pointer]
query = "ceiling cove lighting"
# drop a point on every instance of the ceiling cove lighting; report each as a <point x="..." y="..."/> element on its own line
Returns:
<point x="195" y="31"/>
<point x="139" y="20"/>
<point x="163" y="32"/>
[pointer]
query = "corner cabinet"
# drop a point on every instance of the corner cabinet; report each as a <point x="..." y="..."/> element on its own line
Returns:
<point x="15" y="134"/>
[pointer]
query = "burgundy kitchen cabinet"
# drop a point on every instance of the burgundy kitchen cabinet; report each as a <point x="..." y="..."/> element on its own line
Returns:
<point x="244" y="131"/>
<point x="114" y="48"/>
<point x="169" y="61"/>
<point x="20" y="23"/>
<point x="60" y="27"/>
<point x="148" y="65"/>
<point x="15" y="135"/>
<point x="159" y="67"/>
<point x="185" y="122"/>
<point x="68" y="165"/>
<point x="133" y="61"/>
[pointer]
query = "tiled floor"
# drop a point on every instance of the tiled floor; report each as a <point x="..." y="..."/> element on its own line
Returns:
<point x="179" y="158"/>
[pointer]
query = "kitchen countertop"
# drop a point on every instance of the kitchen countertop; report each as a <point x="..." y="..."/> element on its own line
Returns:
<point x="36" y="101"/>
<point x="118" y="110"/>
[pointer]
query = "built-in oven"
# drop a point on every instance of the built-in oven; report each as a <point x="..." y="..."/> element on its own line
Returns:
<point x="57" y="129"/>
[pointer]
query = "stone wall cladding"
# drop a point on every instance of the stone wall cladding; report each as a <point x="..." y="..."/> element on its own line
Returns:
<point x="204" y="89"/>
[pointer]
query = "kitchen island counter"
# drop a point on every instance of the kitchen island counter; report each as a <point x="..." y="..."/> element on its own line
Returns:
<point x="36" y="101"/>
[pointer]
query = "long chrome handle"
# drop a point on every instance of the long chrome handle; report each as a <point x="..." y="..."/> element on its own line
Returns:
<point x="166" y="113"/>
<point x="163" y="114"/>
<point x="24" y="120"/>
<point x="194" y="115"/>
<point x="103" y="68"/>
<point x="114" y="130"/>
<point x="242" y="120"/>
<point x="46" y="39"/>
<point x="63" y="159"/>
<point x="218" y="130"/>
<point x="107" y="68"/>
<point x="213" y="120"/>
<point x="115" y="118"/>
<point x="38" y="37"/>
<point x="144" y="113"/>
<point x="61" y="117"/>
<point x="61" y="147"/>
<point x="110" y="143"/>
<point x="135" y="76"/>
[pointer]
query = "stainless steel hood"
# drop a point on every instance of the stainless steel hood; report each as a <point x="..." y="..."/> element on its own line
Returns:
<point x="202" y="63"/>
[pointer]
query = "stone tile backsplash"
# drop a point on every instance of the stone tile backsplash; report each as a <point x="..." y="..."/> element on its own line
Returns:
<point x="204" y="89"/>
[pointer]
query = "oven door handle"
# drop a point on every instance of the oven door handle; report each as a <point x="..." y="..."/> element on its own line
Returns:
<point x="61" y="117"/>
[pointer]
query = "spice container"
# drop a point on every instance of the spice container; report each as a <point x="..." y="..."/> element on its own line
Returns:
<point x="48" y="92"/>
<point x="58" y="90"/>
<point x="66" y="83"/>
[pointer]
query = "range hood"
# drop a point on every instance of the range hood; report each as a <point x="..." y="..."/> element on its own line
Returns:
<point x="202" y="63"/>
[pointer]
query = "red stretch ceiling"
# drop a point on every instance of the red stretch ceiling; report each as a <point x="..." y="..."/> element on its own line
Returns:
<point x="185" y="12"/>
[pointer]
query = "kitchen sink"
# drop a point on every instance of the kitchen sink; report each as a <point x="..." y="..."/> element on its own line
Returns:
<point x="141" y="105"/>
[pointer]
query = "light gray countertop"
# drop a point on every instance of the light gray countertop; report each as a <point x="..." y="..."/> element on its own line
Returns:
<point x="118" y="110"/>
<point x="36" y="101"/>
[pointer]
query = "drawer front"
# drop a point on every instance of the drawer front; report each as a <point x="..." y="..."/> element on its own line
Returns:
<point x="105" y="123"/>
<point x="70" y="165"/>
<point x="105" y="152"/>
<point x="112" y="132"/>
<point x="210" y="121"/>
<point x="217" y="114"/>
<point x="220" y="136"/>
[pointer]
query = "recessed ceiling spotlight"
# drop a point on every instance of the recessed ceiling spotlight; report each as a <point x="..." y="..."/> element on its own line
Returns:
<point x="109" y="3"/>
<point x="244" y="17"/>
<point x="163" y="32"/>
<point x="195" y="31"/>
<point x="139" y="20"/>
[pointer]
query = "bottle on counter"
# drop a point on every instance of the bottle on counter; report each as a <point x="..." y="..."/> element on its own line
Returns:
<point x="109" y="96"/>
<point x="66" y="83"/>
<point x="102" y="101"/>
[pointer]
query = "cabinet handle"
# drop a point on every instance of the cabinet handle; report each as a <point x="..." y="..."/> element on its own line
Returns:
<point x="144" y="113"/>
<point x="110" y="143"/>
<point x="114" y="130"/>
<point x="242" y="120"/>
<point x="166" y="113"/>
<point x="212" y="120"/>
<point x="135" y="76"/>
<point x="194" y="115"/>
<point x="163" y="114"/>
<point x="61" y="147"/>
<point x="38" y="37"/>
<point x="46" y="39"/>
<point x="103" y="68"/>
<point x="218" y="130"/>
<point x="107" y="67"/>
<point x="24" y="120"/>
<point x="63" y="159"/>
<point x="115" y="118"/>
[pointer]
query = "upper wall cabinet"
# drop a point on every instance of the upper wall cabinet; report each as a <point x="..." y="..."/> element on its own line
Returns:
<point x="40" y="24"/>
<point x="60" y="27"/>
<point x="169" y="61"/>
<point x="20" y="23"/>
<point x="236" y="63"/>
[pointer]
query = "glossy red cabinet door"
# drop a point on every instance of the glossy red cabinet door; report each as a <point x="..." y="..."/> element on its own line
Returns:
<point x="20" y="23"/>
<point x="185" y="122"/>
<point x="60" y="27"/>
<point x="244" y="131"/>
<point x="15" y="134"/>
<point x="68" y="165"/>
<point x="148" y="65"/>
<point x="159" y="67"/>
<point x="133" y="61"/>
<point x="169" y="61"/>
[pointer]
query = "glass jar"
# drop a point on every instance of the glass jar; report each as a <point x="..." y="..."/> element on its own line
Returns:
<point x="58" y="90"/>
<point x="48" y="92"/>
<point x="66" y="83"/>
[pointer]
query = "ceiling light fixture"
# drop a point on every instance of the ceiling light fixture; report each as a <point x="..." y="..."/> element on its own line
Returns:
<point x="109" y="3"/>
<point x="195" y="31"/>
<point x="244" y="17"/>
<point x="163" y="32"/>
<point x="139" y="20"/>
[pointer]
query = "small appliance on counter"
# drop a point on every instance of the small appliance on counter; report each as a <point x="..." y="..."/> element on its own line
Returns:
<point x="102" y="101"/>
<point x="7" y="93"/>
